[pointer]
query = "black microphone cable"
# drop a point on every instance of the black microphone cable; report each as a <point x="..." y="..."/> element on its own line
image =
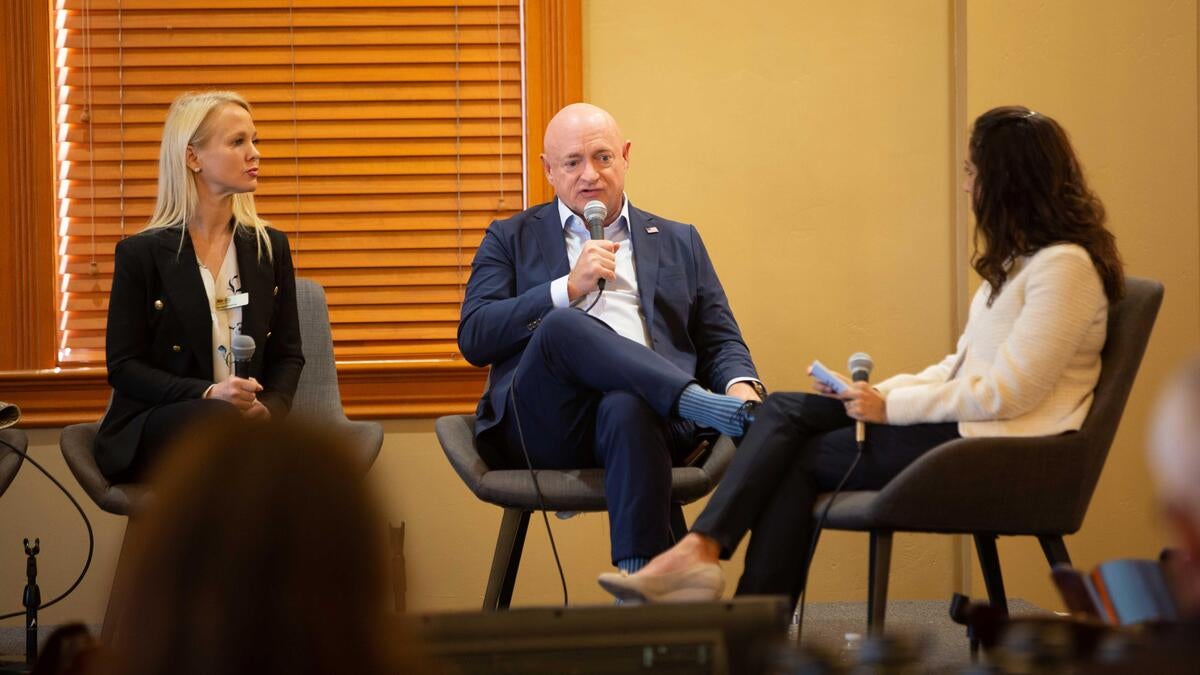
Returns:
<point x="512" y="394"/>
<point x="87" y="523"/>
<point x="598" y="294"/>
<point x="816" y="535"/>
<point x="860" y="367"/>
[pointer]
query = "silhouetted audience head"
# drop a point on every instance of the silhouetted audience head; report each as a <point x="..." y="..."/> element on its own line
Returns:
<point x="260" y="552"/>
<point x="70" y="650"/>
<point x="1175" y="464"/>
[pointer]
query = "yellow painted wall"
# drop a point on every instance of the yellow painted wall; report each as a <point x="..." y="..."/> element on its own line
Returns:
<point x="806" y="138"/>
<point x="1122" y="79"/>
<point x="812" y="144"/>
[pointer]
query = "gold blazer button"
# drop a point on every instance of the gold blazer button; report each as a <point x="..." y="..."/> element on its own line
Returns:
<point x="176" y="348"/>
<point x="158" y="304"/>
<point x="276" y="291"/>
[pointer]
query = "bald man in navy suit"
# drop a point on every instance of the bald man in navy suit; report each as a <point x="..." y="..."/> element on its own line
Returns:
<point x="626" y="379"/>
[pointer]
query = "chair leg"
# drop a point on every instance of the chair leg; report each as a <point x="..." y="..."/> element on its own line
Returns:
<point x="989" y="561"/>
<point x="506" y="559"/>
<point x="877" y="583"/>
<point x="679" y="527"/>
<point x="118" y="591"/>
<point x="1055" y="549"/>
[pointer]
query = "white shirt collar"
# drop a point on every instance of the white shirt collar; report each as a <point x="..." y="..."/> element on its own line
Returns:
<point x="565" y="214"/>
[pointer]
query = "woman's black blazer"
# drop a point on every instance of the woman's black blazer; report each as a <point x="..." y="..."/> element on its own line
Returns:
<point x="159" y="342"/>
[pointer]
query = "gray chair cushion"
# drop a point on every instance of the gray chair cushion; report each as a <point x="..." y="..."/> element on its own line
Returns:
<point x="577" y="490"/>
<point x="1034" y="486"/>
<point x="10" y="462"/>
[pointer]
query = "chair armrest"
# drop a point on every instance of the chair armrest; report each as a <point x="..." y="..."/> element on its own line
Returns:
<point x="77" y="443"/>
<point x="10" y="462"/>
<point x="719" y="459"/>
<point x="364" y="438"/>
<point x="456" y="433"/>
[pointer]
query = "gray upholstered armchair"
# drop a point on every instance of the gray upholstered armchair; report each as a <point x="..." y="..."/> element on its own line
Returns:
<point x="988" y="487"/>
<point x="317" y="400"/>
<point x="578" y="490"/>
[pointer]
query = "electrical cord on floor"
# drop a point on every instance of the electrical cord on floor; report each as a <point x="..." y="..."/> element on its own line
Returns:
<point x="512" y="393"/>
<point x="812" y="548"/>
<point x="87" y="523"/>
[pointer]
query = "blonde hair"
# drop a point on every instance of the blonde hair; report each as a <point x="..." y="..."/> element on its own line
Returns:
<point x="190" y="122"/>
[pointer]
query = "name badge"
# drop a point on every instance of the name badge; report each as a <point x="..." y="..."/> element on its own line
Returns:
<point x="233" y="301"/>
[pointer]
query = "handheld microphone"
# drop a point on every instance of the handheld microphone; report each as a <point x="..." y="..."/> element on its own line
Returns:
<point x="243" y="352"/>
<point x="594" y="213"/>
<point x="860" y="366"/>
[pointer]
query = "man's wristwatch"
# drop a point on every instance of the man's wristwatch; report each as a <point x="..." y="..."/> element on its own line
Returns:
<point x="759" y="389"/>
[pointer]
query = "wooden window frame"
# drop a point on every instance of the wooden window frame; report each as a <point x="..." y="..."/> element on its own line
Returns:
<point x="50" y="396"/>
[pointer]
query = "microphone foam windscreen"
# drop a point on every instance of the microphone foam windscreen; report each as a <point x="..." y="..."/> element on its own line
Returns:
<point x="243" y="347"/>
<point x="861" y="361"/>
<point x="594" y="210"/>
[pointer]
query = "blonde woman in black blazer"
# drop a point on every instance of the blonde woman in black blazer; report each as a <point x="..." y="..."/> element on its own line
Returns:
<point x="206" y="267"/>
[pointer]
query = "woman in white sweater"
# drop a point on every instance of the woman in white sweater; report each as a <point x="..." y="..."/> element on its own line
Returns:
<point x="1025" y="365"/>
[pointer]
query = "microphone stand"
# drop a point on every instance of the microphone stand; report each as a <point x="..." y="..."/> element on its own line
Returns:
<point x="32" y="599"/>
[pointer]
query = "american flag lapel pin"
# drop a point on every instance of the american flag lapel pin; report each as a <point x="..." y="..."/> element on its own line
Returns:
<point x="651" y="230"/>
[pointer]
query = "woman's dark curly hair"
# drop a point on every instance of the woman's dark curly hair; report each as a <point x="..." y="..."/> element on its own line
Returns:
<point x="1029" y="194"/>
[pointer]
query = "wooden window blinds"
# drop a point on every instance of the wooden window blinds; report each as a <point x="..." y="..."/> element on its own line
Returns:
<point x="391" y="135"/>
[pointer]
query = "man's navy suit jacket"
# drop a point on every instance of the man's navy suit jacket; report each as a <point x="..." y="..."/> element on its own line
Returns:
<point x="682" y="301"/>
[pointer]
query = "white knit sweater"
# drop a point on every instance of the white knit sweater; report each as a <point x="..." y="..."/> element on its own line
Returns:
<point x="1027" y="365"/>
